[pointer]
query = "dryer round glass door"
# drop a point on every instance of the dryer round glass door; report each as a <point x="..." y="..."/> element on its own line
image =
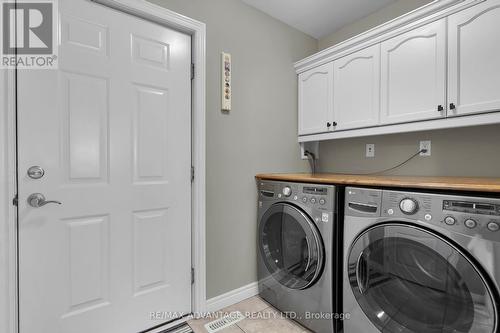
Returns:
<point x="291" y="246"/>
<point x="408" y="279"/>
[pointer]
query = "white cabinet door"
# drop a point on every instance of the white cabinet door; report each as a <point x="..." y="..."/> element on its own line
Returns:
<point x="474" y="59"/>
<point x="356" y="89"/>
<point x="414" y="75"/>
<point x="316" y="100"/>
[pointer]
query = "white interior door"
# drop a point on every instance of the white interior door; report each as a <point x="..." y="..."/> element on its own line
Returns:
<point x="356" y="89"/>
<point x="474" y="59"/>
<point x="112" y="130"/>
<point x="413" y="79"/>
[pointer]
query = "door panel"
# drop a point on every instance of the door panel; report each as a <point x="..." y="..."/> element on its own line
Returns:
<point x="316" y="99"/>
<point x="86" y="128"/>
<point x="414" y="75"/>
<point x="407" y="279"/>
<point x="112" y="130"/>
<point x="88" y="263"/>
<point x="150" y="109"/>
<point x="291" y="246"/>
<point x="474" y="65"/>
<point x="356" y="89"/>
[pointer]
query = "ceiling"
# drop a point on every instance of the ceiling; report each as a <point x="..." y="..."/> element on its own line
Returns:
<point x="318" y="18"/>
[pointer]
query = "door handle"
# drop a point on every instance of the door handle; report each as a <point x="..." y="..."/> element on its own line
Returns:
<point x="365" y="208"/>
<point x="37" y="200"/>
<point x="361" y="273"/>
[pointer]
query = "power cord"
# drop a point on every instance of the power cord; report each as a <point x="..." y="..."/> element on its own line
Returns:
<point x="399" y="165"/>
<point x="312" y="159"/>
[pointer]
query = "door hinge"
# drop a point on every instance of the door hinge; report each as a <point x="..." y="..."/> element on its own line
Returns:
<point x="15" y="201"/>
<point x="192" y="275"/>
<point x="192" y="71"/>
<point x="192" y="174"/>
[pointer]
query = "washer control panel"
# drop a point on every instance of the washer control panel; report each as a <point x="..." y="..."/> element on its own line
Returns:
<point x="317" y="200"/>
<point x="474" y="216"/>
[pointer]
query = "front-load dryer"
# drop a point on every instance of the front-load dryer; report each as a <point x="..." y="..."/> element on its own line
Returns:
<point x="420" y="262"/>
<point x="295" y="245"/>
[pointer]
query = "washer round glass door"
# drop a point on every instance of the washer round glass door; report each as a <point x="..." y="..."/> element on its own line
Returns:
<point x="291" y="246"/>
<point x="407" y="279"/>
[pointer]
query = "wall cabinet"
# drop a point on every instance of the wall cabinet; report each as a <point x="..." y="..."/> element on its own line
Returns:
<point x="418" y="75"/>
<point x="414" y="75"/>
<point x="474" y="59"/>
<point x="356" y="87"/>
<point x="316" y="100"/>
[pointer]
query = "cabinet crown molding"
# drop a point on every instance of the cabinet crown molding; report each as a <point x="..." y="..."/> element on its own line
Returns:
<point x="431" y="12"/>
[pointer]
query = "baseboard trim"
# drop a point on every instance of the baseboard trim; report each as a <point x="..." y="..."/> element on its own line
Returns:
<point x="234" y="296"/>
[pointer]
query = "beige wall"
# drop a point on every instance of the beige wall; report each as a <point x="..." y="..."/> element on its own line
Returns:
<point x="472" y="151"/>
<point x="259" y="135"/>
<point x="383" y="15"/>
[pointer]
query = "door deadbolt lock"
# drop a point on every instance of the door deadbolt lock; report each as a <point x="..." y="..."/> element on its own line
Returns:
<point x="36" y="172"/>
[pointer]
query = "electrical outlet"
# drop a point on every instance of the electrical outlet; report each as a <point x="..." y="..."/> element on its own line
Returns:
<point x="370" y="150"/>
<point x="312" y="147"/>
<point x="425" y="145"/>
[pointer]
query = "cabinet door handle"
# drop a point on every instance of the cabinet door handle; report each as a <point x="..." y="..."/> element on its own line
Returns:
<point x="334" y="123"/>
<point x="440" y="108"/>
<point x="452" y="106"/>
<point x="328" y="124"/>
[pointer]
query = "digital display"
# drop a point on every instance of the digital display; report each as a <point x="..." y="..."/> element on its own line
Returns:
<point x="315" y="190"/>
<point x="470" y="207"/>
<point x="462" y="204"/>
<point x="484" y="207"/>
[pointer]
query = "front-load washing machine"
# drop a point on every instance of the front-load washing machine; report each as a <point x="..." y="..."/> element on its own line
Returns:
<point x="295" y="256"/>
<point x="420" y="262"/>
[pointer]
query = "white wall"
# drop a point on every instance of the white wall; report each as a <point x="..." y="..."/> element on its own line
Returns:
<point x="258" y="135"/>
<point x="383" y="15"/>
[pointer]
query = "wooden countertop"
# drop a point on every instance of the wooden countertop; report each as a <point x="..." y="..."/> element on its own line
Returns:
<point x="476" y="184"/>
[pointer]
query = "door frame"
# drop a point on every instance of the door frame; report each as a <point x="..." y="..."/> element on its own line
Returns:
<point x="8" y="161"/>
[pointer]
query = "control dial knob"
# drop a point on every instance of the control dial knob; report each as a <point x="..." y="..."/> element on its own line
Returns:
<point x="408" y="206"/>
<point x="287" y="191"/>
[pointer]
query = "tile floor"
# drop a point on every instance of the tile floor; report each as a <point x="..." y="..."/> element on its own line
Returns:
<point x="260" y="318"/>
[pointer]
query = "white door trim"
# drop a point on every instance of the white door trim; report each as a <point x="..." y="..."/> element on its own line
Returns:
<point x="8" y="172"/>
<point x="8" y="212"/>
